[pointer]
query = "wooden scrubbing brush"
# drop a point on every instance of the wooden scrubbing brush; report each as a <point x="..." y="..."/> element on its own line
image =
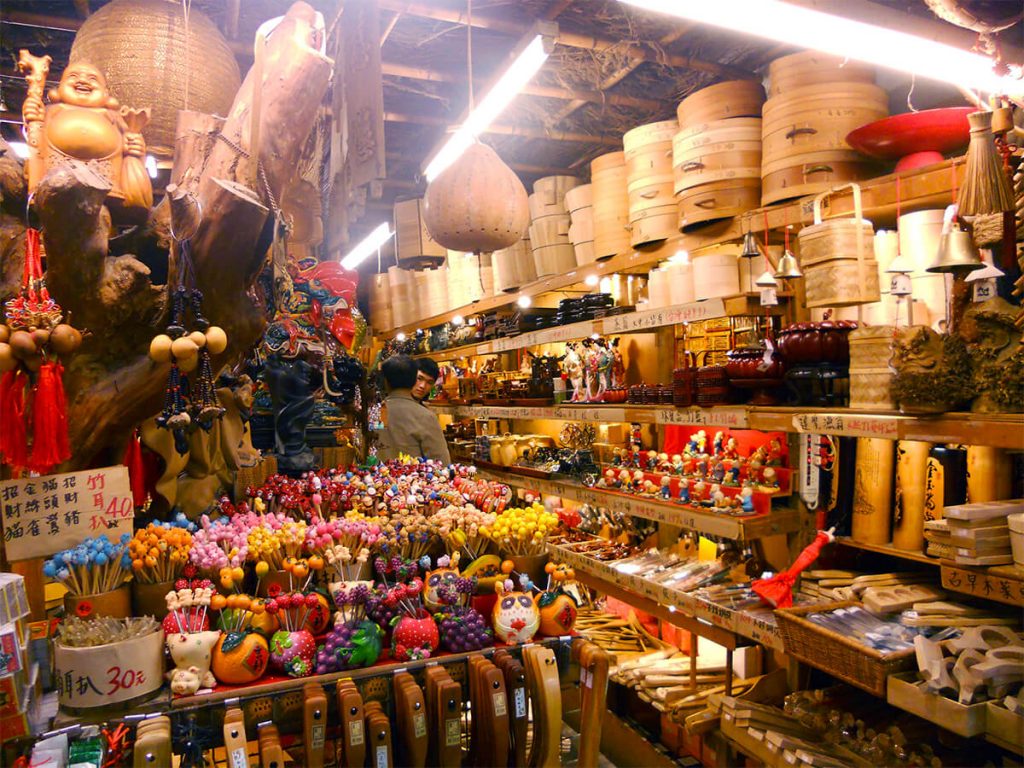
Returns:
<point x="985" y="189"/>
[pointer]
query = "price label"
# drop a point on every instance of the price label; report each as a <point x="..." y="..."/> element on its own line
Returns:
<point x="500" y="704"/>
<point x="318" y="736"/>
<point x="769" y="297"/>
<point x="847" y="425"/>
<point x="600" y="414"/>
<point x="355" y="733"/>
<point x="703" y="417"/>
<point x="381" y="757"/>
<point x="519" y="702"/>
<point x="452" y="732"/>
<point x="239" y="758"/>
<point x="419" y="725"/>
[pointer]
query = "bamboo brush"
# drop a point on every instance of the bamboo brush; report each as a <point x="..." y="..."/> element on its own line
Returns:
<point x="986" y="189"/>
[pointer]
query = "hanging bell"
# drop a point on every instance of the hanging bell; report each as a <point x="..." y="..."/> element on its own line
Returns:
<point x="957" y="253"/>
<point x="788" y="267"/>
<point x="749" y="246"/>
<point x="766" y="280"/>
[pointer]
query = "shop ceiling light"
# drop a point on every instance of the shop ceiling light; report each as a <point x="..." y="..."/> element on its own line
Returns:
<point x="806" y="28"/>
<point x="369" y="245"/>
<point x="591" y="280"/>
<point x="525" y="65"/>
<point x="524" y="302"/>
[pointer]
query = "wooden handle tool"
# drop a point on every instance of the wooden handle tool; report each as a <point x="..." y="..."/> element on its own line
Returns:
<point x="314" y="719"/>
<point x="519" y="714"/>
<point x="490" y="715"/>
<point x="378" y="729"/>
<point x="236" y="747"/>
<point x="411" y="722"/>
<point x="595" y="662"/>
<point x="546" y="694"/>
<point x="152" y="743"/>
<point x="444" y="715"/>
<point x="353" y="725"/>
<point x="271" y="752"/>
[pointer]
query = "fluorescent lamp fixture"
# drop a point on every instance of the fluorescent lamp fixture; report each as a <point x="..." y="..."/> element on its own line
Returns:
<point x="591" y="280"/>
<point x="370" y="243"/>
<point x="847" y="38"/>
<point x="524" y="302"/>
<point x="518" y="74"/>
<point x="400" y="337"/>
<point x="151" y="168"/>
<point x="458" y="320"/>
<point x="19" y="148"/>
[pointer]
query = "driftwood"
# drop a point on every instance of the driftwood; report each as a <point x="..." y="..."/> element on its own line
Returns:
<point x="111" y="384"/>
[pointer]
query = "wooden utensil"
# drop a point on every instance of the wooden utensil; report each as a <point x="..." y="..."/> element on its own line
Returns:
<point x="152" y="743"/>
<point x="410" y="721"/>
<point x="314" y="724"/>
<point x="271" y="752"/>
<point x="444" y="718"/>
<point x="236" y="748"/>
<point x="545" y="692"/>
<point x="515" y="688"/>
<point x="353" y="725"/>
<point x="378" y="729"/>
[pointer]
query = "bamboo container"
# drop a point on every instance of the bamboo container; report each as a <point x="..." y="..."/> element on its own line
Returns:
<point x="514" y="267"/>
<point x="908" y="507"/>
<point x="381" y="317"/>
<point x="549" y="195"/>
<point x="946" y="481"/>
<point x="715" y="201"/>
<point x="554" y="259"/>
<point x="799" y="70"/>
<point x="681" y="288"/>
<point x="715" y="274"/>
<point x="989" y="474"/>
<point x="658" y="289"/>
<point x="731" y="99"/>
<point x="433" y="292"/>
<point x="579" y="204"/>
<point x="485" y="270"/>
<point x="649" y="178"/>
<point x="414" y="246"/>
<point x="872" y="500"/>
<point x="464" y="278"/>
<point x="611" y="204"/>
<point x="871" y="377"/>
<point x="400" y="281"/>
<point x="723" y="151"/>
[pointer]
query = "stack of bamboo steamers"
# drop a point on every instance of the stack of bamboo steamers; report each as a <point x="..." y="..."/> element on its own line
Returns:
<point x="553" y="253"/>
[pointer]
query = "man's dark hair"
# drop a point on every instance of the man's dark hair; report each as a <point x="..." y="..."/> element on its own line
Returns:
<point x="429" y="367"/>
<point x="399" y="372"/>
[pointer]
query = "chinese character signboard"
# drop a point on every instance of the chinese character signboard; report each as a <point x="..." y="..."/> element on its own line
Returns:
<point x="43" y="515"/>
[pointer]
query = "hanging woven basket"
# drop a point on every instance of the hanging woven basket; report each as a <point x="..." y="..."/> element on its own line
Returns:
<point x="148" y="55"/>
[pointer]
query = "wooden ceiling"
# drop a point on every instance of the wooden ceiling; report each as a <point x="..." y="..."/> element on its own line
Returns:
<point x="613" y="68"/>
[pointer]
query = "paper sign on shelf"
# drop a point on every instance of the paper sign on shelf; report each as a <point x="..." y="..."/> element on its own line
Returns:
<point x="43" y="515"/>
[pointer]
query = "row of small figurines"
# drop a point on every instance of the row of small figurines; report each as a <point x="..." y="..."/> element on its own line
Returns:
<point x="696" y="447"/>
<point x="694" y="492"/>
<point x="725" y="471"/>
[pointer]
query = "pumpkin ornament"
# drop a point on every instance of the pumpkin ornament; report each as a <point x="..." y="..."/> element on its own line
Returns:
<point x="31" y="342"/>
<point x="558" y="609"/>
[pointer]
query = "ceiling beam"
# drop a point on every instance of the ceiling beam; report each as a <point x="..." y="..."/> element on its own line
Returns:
<point x="395" y="69"/>
<point x="637" y="51"/>
<point x="508" y="130"/>
<point x="389" y="28"/>
<point x="554" y="9"/>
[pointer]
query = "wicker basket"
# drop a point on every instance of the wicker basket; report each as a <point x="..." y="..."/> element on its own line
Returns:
<point x="837" y="654"/>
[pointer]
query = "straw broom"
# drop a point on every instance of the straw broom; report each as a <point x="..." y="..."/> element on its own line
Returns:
<point x="985" y="189"/>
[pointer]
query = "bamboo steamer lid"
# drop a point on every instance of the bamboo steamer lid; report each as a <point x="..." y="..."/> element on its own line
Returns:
<point x="549" y="230"/>
<point x="637" y="139"/>
<point x="610" y="204"/>
<point x="813" y="67"/>
<point x="716" y="274"/>
<point x="728" y="100"/>
<point x="717" y="200"/>
<point x="477" y="203"/>
<point x="513" y="266"/>
<point x="810" y="178"/>
<point x="712" y="131"/>
<point x="579" y="197"/>
<point x="381" y="318"/>
<point x="654" y="224"/>
<point x="872" y="496"/>
<point x="146" y="54"/>
<point x="552" y="189"/>
<point x="554" y="259"/>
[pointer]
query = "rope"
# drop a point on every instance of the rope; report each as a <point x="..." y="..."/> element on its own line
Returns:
<point x="261" y="172"/>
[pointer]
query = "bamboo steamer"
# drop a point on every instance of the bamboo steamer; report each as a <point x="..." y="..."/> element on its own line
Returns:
<point x="810" y="178"/>
<point x="871" y="377"/>
<point x="872" y="496"/>
<point x="908" y="506"/>
<point x="550" y="230"/>
<point x="731" y="99"/>
<point x="649" y="177"/>
<point x="581" y="227"/>
<point x="381" y="318"/>
<point x="476" y="204"/>
<point x="584" y="253"/>
<point x="549" y="195"/>
<point x="485" y="272"/>
<point x="654" y="224"/>
<point x="513" y="266"/>
<point x="554" y="259"/>
<point x="463" y="278"/>
<point x="716" y="274"/>
<point x="432" y="292"/>
<point x="717" y="200"/>
<point x="610" y="204"/>
<point x="717" y="132"/>
<point x="703" y="159"/>
<point x="400" y="281"/>
<point x="579" y="197"/>
<point x="414" y="247"/>
<point x="799" y="70"/>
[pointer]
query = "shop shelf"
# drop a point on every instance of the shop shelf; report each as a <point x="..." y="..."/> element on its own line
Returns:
<point x="887" y="549"/>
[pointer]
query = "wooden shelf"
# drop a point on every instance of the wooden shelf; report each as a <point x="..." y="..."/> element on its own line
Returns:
<point x="1002" y="583"/>
<point x="1003" y="430"/>
<point x="887" y="549"/>
<point x="629" y="322"/>
<point x="779" y="521"/>
<point x="715" y="622"/>
<point x="927" y="187"/>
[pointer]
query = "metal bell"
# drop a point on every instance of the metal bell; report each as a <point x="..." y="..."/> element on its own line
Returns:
<point x="788" y="268"/>
<point x="749" y="246"/>
<point x="957" y="253"/>
<point x="766" y="280"/>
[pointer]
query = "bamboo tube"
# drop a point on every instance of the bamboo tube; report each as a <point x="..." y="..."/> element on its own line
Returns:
<point x="908" y="509"/>
<point x="945" y="484"/>
<point x="989" y="474"/>
<point x="872" y="498"/>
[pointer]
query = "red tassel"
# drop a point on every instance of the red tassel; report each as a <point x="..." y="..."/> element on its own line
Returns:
<point x="49" y="420"/>
<point x="13" y="442"/>
<point x="136" y="469"/>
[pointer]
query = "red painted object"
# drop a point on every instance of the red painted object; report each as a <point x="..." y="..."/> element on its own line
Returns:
<point x="914" y="138"/>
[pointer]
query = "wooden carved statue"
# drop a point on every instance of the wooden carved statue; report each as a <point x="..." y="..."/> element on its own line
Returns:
<point x="83" y="121"/>
<point x="933" y="371"/>
<point x="997" y="357"/>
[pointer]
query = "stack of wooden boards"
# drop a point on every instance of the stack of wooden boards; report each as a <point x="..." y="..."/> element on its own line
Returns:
<point x="979" y="533"/>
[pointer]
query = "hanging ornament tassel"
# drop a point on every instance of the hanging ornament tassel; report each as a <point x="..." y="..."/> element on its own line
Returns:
<point x="49" y="419"/>
<point x="136" y="469"/>
<point x="13" y="441"/>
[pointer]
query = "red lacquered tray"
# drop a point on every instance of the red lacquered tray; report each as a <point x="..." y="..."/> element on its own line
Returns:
<point x="935" y="131"/>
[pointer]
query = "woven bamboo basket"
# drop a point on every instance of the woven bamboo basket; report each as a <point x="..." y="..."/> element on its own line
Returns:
<point x="716" y="274"/>
<point x="842" y="283"/>
<point x="717" y="200"/>
<point x="837" y="654"/>
<point x="148" y="55"/>
<point x="514" y="267"/>
<point x="703" y="158"/>
<point x="799" y="70"/>
<point x="728" y="100"/>
<point x="414" y="246"/>
<point x="871" y="377"/>
<point x="554" y="259"/>
<point x="549" y="195"/>
<point x="381" y="318"/>
<point x="610" y="203"/>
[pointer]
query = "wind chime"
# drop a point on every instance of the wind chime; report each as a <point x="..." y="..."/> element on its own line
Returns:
<point x="188" y="403"/>
<point x="32" y="387"/>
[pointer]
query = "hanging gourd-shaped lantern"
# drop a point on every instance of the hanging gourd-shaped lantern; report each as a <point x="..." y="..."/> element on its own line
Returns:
<point x="477" y="203"/>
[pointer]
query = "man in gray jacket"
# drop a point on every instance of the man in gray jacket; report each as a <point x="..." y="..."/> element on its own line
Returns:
<point x="411" y="429"/>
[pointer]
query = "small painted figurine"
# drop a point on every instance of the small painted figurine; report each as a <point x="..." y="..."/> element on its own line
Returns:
<point x="718" y="472"/>
<point x="698" y="491"/>
<point x="650" y="489"/>
<point x="635" y="436"/>
<point x="774" y="453"/>
<point x="652" y="461"/>
<point x="638" y="481"/>
<point x="716" y="490"/>
<point x="732" y="448"/>
<point x="666" y="487"/>
<point x="770" y="478"/>
<point x="608" y="479"/>
<point x="617" y="457"/>
<point x="684" y="490"/>
<point x="677" y="464"/>
<point x="618" y="377"/>
<point x="623" y="481"/>
<point x="718" y="444"/>
<point x="701" y="467"/>
<point x="747" y="498"/>
<point x="733" y="475"/>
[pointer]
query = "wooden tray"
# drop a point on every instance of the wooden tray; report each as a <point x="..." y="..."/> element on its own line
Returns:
<point x="965" y="720"/>
<point x="1004" y="726"/>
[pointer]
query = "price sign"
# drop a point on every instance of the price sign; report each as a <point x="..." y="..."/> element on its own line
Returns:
<point x="703" y="417"/>
<point x="769" y="297"/>
<point x="43" y="515"/>
<point x="574" y="413"/>
<point x="847" y="425"/>
<point x="101" y="675"/>
<point x="759" y="628"/>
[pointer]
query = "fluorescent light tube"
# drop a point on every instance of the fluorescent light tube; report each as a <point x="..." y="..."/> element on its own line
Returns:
<point x="848" y="38"/>
<point x="369" y="244"/>
<point x="518" y="74"/>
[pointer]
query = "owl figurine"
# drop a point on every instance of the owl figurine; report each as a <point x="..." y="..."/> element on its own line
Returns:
<point x="515" y="616"/>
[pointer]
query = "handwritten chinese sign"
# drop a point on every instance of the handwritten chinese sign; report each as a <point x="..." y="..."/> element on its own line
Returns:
<point x="846" y="425"/>
<point x="43" y="515"/>
<point x="993" y="584"/>
<point x="101" y="675"/>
